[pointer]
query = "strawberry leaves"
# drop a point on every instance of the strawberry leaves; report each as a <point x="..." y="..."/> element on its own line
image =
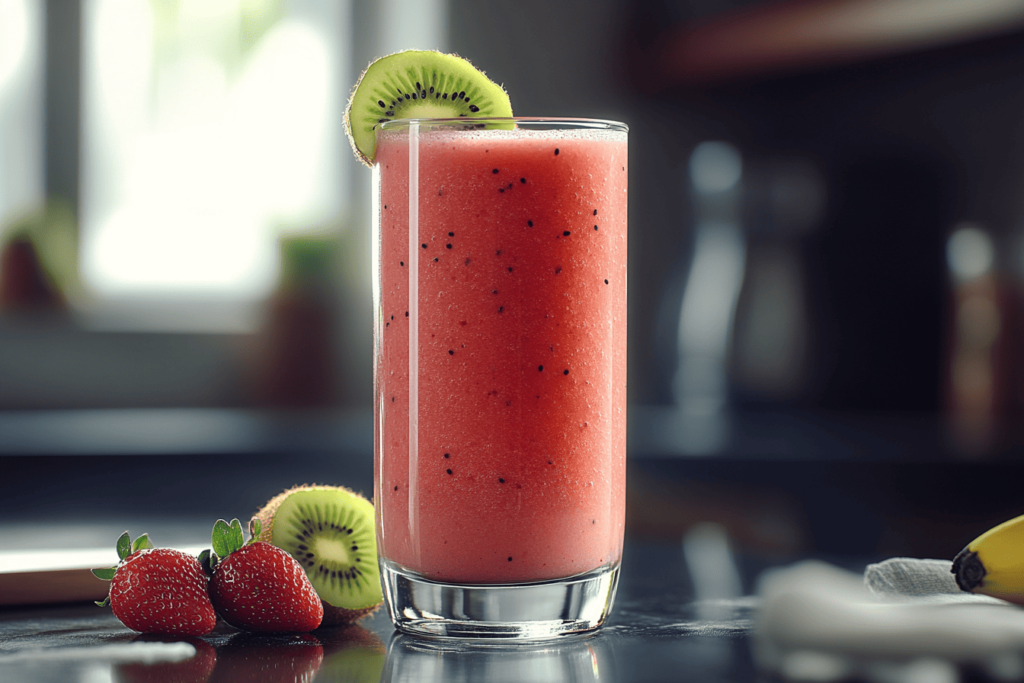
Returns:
<point x="226" y="538"/>
<point x="125" y="548"/>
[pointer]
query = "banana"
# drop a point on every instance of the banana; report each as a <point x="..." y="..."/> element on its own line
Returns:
<point x="993" y="563"/>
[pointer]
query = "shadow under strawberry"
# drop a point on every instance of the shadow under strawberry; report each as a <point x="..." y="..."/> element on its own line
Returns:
<point x="268" y="658"/>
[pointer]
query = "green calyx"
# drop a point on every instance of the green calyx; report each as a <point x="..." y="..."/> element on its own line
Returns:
<point x="226" y="538"/>
<point x="125" y="547"/>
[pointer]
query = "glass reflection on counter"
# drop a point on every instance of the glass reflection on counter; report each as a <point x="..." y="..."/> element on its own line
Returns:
<point x="410" y="660"/>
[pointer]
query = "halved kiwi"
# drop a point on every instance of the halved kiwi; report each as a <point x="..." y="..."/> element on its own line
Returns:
<point x="329" y="530"/>
<point x="418" y="84"/>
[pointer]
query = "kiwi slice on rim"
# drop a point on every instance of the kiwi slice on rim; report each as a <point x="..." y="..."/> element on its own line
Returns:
<point x="418" y="84"/>
<point x="329" y="530"/>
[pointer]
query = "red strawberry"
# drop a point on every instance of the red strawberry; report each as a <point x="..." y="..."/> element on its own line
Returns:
<point x="158" y="590"/>
<point x="259" y="587"/>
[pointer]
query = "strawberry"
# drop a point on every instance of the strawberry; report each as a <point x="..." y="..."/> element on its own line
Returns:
<point x="158" y="590"/>
<point x="257" y="586"/>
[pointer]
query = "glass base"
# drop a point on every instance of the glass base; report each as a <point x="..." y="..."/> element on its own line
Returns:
<point x="522" y="611"/>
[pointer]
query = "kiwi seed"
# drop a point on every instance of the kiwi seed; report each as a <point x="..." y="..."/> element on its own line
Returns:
<point x="418" y="84"/>
<point x="329" y="530"/>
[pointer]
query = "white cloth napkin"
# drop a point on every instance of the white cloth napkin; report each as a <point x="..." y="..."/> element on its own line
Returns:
<point x="903" y="620"/>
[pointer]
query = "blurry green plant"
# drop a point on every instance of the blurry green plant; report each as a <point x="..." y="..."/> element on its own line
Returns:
<point x="53" y="231"/>
<point x="229" y="43"/>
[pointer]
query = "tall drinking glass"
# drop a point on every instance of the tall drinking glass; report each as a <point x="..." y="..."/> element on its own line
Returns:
<point x="500" y="373"/>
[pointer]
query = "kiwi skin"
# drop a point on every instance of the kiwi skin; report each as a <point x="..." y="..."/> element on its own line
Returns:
<point x="333" y="616"/>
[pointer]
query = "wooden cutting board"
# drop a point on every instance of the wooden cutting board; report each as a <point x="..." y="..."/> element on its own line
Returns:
<point x="35" y="577"/>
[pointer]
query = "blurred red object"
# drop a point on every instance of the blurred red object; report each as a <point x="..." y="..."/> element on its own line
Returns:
<point x="24" y="285"/>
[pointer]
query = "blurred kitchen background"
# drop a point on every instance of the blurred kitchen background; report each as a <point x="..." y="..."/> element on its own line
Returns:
<point x="826" y="255"/>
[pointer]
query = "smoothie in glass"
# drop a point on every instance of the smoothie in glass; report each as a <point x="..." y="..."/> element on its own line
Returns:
<point x="500" y="431"/>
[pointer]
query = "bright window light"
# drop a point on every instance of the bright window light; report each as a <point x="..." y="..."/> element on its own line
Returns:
<point x="14" y="34"/>
<point x="209" y="129"/>
<point x="21" y="109"/>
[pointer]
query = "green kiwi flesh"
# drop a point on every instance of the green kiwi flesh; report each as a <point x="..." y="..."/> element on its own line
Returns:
<point x="329" y="530"/>
<point x="418" y="84"/>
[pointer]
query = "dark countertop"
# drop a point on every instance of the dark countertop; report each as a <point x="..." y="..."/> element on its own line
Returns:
<point x="784" y="487"/>
<point x="653" y="634"/>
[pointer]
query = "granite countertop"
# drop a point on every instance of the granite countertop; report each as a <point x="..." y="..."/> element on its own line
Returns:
<point x="656" y="633"/>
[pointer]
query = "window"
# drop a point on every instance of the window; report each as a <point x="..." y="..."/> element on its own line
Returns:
<point x="21" y="108"/>
<point x="209" y="129"/>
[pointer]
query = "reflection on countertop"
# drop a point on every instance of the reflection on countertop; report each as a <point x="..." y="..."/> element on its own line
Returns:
<point x="655" y="632"/>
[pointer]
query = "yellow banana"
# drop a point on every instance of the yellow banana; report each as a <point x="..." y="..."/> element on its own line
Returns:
<point x="993" y="563"/>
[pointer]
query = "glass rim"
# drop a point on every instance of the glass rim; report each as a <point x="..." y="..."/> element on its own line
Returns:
<point x="566" y="122"/>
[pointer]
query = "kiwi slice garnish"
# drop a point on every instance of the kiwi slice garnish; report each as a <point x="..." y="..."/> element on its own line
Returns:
<point x="329" y="530"/>
<point x="418" y="84"/>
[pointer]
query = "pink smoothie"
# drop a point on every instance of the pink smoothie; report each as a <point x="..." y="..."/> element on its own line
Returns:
<point x="514" y="467"/>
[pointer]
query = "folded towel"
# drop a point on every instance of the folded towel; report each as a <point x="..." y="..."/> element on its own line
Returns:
<point x="911" y="577"/>
<point x="904" y="619"/>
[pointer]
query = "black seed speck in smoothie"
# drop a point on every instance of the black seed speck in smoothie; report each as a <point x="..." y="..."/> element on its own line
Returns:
<point x="510" y="559"/>
<point x="448" y="471"/>
<point x="595" y="228"/>
<point x="595" y="212"/>
<point x="494" y="171"/>
<point x="556" y="151"/>
<point x="558" y="270"/>
<point x="540" y="368"/>
<point x="448" y="246"/>
<point x="447" y="455"/>
<point x="451" y="352"/>
<point x="451" y="234"/>
<point x="606" y="282"/>
<point x="501" y="309"/>
<point x="424" y="246"/>
<point x="522" y="180"/>
<point x="566" y="233"/>
<point x="565" y="372"/>
<point x="500" y="480"/>
<point x="529" y="224"/>
<point x="396" y="488"/>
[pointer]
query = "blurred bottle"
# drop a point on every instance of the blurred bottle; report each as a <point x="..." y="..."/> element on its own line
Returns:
<point x="784" y="202"/>
<point x="983" y="392"/>
<point x="299" y="368"/>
